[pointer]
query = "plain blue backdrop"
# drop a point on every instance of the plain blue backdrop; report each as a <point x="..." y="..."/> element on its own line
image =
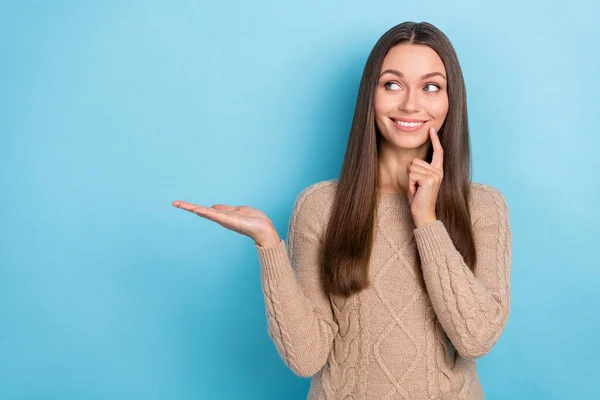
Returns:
<point x="111" y="110"/>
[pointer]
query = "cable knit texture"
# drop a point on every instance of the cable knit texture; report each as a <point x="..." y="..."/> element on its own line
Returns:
<point x="416" y="331"/>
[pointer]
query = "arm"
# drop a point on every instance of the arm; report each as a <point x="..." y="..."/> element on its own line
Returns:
<point x="472" y="308"/>
<point x="299" y="315"/>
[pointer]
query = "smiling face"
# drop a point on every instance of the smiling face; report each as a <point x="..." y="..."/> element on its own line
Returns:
<point x="411" y="95"/>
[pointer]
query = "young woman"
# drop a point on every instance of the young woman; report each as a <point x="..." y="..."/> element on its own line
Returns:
<point x="398" y="275"/>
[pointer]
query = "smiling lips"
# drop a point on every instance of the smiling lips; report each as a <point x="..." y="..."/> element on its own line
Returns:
<point x="407" y="125"/>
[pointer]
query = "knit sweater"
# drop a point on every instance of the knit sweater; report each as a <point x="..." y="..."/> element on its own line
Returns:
<point x="416" y="331"/>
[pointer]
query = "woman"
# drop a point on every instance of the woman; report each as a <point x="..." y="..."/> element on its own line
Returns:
<point x="398" y="274"/>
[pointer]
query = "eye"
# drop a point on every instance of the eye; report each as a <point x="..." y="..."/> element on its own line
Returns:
<point x="386" y="85"/>
<point x="434" y="85"/>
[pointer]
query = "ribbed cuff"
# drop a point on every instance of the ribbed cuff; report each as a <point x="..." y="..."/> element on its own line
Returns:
<point x="432" y="240"/>
<point x="274" y="260"/>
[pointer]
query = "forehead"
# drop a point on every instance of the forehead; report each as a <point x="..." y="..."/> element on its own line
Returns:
<point x="413" y="60"/>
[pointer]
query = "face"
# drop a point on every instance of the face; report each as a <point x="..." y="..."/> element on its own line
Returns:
<point x="411" y="95"/>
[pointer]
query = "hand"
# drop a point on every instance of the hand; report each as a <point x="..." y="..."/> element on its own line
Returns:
<point x="424" y="180"/>
<point x="242" y="219"/>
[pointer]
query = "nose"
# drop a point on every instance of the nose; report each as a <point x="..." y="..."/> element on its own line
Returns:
<point x="410" y="102"/>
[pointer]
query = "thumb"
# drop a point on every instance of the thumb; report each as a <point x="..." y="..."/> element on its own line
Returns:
<point x="410" y="195"/>
<point x="412" y="186"/>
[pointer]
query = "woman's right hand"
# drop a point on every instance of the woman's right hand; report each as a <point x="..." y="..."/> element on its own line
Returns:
<point x="242" y="219"/>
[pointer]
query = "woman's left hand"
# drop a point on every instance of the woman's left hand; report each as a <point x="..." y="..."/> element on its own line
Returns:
<point x="428" y="177"/>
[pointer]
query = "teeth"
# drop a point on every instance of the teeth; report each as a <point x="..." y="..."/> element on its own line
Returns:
<point x="409" y="124"/>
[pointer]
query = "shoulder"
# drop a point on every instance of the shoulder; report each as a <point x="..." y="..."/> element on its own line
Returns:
<point x="482" y="192"/>
<point x="318" y="194"/>
<point x="312" y="208"/>
<point x="313" y="204"/>
<point x="486" y="201"/>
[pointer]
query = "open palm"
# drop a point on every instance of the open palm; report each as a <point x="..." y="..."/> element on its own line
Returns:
<point x="242" y="219"/>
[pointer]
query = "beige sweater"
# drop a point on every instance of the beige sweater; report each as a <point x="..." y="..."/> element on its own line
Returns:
<point x="416" y="331"/>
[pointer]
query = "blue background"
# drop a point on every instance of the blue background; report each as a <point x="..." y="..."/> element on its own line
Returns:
<point x="109" y="111"/>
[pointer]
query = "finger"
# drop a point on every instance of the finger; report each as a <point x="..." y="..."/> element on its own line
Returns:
<point x="195" y="208"/>
<point x="438" y="152"/>
<point x="182" y="204"/>
<point x="422" y="163"/>
<point x="221" y="214"/>
<point x="418" y="161"/>
<point x="422" y="169"/>
<point x="223" y="207"/>
<point x="424" y="166"/>
<point x="412" y="186"/>
<point x="422" y="179"/>
<point x="223" y="217"/>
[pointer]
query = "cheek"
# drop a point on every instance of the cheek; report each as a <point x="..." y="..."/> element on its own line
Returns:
<point x="381" y="107"/>
<point x="378" y="105"/>
<point x="438" y="108"/>
<point x="383" y="103"/>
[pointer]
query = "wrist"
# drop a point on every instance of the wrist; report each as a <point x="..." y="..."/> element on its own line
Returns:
<point x="420" y="221"/>
<point x="270" y="239"/>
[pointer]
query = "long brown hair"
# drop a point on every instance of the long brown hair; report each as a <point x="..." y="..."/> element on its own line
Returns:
<point x="349" y="236"/>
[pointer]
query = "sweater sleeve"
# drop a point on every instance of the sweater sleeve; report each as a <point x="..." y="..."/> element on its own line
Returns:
<point x="472" y="307"/>
<point x="299" y="315"/>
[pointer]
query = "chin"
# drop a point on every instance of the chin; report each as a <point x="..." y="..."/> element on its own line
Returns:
<point x="407" y="140"/>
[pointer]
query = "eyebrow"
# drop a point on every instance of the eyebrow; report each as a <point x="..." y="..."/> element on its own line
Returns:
<point x="401" y="75"/>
